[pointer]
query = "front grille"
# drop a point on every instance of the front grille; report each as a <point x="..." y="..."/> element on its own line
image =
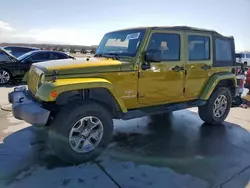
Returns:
<point x="33" y="80"/>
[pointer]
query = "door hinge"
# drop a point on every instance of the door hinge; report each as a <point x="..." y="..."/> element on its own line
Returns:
<point x="184" y="90"/>
<point x="185" y="72"/>
<point x="139" y="74"/>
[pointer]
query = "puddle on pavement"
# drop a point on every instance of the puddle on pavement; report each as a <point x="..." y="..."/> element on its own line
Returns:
<point x="167" y="140"/>
<point x="165" y="143"/>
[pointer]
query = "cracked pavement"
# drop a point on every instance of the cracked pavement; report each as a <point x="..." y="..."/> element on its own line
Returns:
<point x="158" y="151"/>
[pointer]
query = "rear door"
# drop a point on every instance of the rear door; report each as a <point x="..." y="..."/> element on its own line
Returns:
<point x="199" y="63"/>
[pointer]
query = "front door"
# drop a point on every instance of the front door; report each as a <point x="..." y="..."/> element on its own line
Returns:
<point x="199" y="64"/>
<point x="163" y="81"/>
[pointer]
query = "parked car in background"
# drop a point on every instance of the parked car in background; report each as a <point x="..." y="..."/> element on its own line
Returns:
<point x="19" y="50"/>
<point x="243" y="57"/>
<point x="15" y="68"/>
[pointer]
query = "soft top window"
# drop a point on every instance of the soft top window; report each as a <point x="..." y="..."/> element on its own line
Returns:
<point x="223" y="50"/>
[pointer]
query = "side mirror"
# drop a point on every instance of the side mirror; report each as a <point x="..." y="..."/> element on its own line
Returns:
<point x="153" y="56"/>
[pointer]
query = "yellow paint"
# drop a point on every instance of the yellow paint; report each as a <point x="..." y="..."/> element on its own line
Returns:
<point x="78" y="63"/>
<point x="157" y="85"/>
<point x="213" y="81"/>
<point x="119" y="84"/>
<point x="160" y="84"/>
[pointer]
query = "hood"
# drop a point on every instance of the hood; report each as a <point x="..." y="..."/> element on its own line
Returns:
<point x="79" y="66"/>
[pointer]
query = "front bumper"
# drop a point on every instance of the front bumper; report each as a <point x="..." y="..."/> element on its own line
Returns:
<point x="25" y="108"/>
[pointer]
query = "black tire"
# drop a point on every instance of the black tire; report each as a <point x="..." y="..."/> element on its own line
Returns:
<point x="65" y="119"/>
<point x="206" y="111"/>
<point x="10" y="77"/>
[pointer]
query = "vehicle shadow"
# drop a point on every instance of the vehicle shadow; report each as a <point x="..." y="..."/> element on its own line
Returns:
<point x="13" y="84"/>
<point x="179" y="141"/>
<point x="213" y="153"/>
<point x="20" y="150"/>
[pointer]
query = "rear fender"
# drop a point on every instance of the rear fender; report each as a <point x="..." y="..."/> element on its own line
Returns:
<point x="214" y="81"/>
<point x="60" y="86"/>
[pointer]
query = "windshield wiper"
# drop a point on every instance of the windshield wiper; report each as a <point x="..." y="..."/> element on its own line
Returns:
<point x="108" y="55"/>
<point x="98" y="55"/>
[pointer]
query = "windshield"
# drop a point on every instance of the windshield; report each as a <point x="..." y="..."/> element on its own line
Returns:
<point x="24" y="55"/>
<point x="240" y="55"/>
<point x="123" y="43"/>
<point x="9" y="54"/>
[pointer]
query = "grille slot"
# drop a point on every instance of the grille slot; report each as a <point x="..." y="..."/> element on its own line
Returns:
<point x="33" y="80"/>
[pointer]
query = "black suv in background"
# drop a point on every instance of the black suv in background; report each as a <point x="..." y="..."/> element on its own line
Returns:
<point x="15" y="68"/>
<point x="19" y="50"/>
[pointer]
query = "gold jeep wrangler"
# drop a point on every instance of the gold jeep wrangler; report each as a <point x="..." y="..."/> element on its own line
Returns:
<point x="134" y="73"/>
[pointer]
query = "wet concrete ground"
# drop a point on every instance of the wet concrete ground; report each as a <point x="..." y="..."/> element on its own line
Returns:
<point x="176" y="150"/>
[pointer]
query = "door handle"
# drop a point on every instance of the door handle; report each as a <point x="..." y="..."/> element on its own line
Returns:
<point x="206" y="67"/>
<point x="177" y="68"/>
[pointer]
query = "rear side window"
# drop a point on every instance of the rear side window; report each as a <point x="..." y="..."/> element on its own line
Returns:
<point x="3" y="57"/>
<point x="40" y="57"/>
<point x="198" y="48"/>
<point x="248" y="55"/>
<point x="56" y="56"/>
<point x="168" y="43"/>
<point x="223" y="50"/>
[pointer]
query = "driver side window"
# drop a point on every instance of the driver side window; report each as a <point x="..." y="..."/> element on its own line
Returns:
<point x="3" y="57"/>
<point x="167" y="43"/>
<point x="39" y="57"/>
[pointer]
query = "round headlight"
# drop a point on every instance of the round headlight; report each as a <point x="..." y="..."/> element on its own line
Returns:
<point x="41" y="80"/>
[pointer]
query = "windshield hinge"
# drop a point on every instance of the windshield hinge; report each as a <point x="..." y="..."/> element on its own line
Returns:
<point x="185" y="72"/>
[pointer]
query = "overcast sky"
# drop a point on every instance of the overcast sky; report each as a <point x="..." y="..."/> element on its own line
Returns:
<point x="84" y="22"/>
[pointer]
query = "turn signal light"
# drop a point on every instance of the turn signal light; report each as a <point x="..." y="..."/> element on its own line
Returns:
<point x="53" y="94"/>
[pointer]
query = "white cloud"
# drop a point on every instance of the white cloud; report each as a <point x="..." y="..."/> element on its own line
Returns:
<point x="75" y="36"/>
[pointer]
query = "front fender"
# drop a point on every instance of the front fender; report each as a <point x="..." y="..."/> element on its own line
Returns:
<point x="213" y="81"/>
<point x="71" y="84"/>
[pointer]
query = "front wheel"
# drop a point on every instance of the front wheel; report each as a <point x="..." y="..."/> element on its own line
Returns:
<point x="81" y="131"/>
<point x="217" y="108"/>
<point x="5" y="77"/>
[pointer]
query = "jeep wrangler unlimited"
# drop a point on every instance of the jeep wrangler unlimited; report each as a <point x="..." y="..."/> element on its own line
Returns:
<point x="134" y="73"/>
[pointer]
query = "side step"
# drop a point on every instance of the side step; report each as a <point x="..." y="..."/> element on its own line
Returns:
<point x="136" y="113"/>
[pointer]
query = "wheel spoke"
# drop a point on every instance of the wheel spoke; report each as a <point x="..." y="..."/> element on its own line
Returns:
<point x="87" y="145"/>
<point x="77" y="141"/>
<point x="96" y="134"/>
<point x="78" y="126"/>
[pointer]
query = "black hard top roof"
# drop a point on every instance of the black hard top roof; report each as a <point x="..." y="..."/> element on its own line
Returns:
<point x="182" y="28"/>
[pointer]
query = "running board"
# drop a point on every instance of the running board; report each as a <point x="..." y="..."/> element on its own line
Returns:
<point x="145" y="111"/>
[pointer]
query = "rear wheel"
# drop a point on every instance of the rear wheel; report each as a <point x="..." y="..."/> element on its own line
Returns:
<point x="81" y="131"/>
<point x="5" y="77"/>
<point x="217" y="108"/>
